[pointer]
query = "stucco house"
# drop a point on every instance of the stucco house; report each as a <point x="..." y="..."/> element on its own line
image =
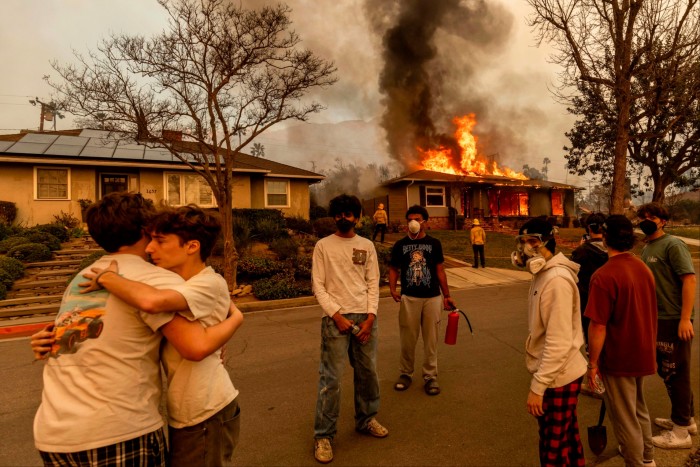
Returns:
<point x="494" y="199"/>
<point x="46" y="173"/>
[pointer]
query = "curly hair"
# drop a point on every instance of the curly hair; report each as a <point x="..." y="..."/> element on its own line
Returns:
<point x="417" y="209"/>
<point x="119" y="220"/>
<point x="345" y="203"/>
<point x="189" y="223"/>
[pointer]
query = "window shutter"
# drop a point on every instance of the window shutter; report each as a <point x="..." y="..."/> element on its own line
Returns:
<point x="448" y="198"/>
<point x="421" y="190"/>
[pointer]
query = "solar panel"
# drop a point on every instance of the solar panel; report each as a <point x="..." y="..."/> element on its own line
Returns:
<point x="5" y="144"/>
<point x="93" y="151"/>
<point x="30" y="148"/>
<point x="64" y="150"/>
<point x="38" y="138"/>
<point x="72" y="140"/>
<point x="159" y="155"/>
<point x="123" y="153"/>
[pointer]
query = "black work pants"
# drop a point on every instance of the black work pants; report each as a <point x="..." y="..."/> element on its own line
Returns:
<point x="379" y="228"/>
<point x="673" y="365"/>
<point x="479" y="251"/>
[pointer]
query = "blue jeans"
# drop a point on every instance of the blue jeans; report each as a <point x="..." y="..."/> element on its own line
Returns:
<point x="363" y="358"/>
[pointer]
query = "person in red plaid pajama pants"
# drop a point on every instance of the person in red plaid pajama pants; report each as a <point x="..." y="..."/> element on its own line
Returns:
<point x="553" y="347"/>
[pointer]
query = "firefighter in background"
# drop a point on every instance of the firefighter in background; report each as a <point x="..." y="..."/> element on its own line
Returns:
<point x="478" y="238"/>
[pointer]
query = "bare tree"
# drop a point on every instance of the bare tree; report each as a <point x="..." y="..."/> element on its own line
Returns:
<point x="665" y="115"/>
<point x="604" y="43"/>
<point x="219" y="73"/>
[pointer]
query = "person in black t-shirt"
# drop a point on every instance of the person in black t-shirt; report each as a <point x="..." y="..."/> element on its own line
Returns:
<point x="418" y="260"/>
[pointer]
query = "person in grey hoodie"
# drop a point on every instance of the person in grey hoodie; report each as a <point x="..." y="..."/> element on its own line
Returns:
<point x="553" y="347"/>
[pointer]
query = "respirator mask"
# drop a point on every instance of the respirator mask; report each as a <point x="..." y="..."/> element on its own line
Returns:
<point x="527" y="256"/>
<point x="648" y="227"/>
<point x="413" y="226"/>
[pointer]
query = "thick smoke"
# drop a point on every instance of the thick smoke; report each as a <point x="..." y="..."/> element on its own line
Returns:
<point x="433" y="52"/>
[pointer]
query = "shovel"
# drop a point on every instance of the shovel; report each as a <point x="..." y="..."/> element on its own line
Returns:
<point x="597" y="436"/>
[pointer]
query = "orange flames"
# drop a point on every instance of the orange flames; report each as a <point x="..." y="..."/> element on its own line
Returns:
<point x="441" y="160"/>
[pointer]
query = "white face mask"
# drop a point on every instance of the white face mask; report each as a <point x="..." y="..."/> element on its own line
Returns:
<point x="414" y="226"/>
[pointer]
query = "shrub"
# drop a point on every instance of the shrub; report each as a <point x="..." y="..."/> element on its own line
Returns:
<point x="11" y="242"/>
<point x="257" y="268"/>
<point x="6" y="279"/>
<point x="4" y="231"/>
<point x="13" y="266"/>
<point x="3" y="292"/>
<point x="324" y="227"/>
<point x="285" y="247"/>
<point x="299" y="224"/>
<point x="8" y="212"/>
<point x="57" y="230"/>
<point x="394" y="226"/>
<point x="45" y="238"/>
<point x="317" y="212"/>
<point x="30" y="252"/>
<point x="77" y="232"/>
<point x="254" y="216"/>
<point x="278" y="287"/>
<point x="67" y="220"/>
<point x="302" y="267"/>
<point x="269" y="229"/>
<point x="242" y="235"/>
<point x="365" y="227"/>
<point x="384" y="260"/>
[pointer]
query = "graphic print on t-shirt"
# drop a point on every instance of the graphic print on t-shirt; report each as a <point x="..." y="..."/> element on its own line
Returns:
<point x="417" y="272"/>
<point x="78" y="319"/>
<point x="359" y="256"/>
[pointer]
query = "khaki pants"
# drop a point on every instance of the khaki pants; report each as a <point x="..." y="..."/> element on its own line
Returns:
<point x="624" y="399"/>
<point x="419" y="315"/>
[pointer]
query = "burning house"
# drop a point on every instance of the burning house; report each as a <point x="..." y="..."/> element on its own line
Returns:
<point x="455" y="180"/>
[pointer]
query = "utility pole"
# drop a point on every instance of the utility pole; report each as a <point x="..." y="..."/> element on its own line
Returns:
<point x="49" y="112"/>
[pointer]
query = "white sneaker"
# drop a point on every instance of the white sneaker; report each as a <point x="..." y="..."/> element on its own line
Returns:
<point x="671" y="440"/>
<point x="667" y="424"/>
<point x="323" y="452"/>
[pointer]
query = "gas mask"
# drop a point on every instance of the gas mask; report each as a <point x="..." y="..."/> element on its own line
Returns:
<point x="413" y="226"/>
<point x="648" y="227"/>
<point x="527" y="256"/>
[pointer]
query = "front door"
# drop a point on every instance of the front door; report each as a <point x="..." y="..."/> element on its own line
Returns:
<point x="109" y="183"/>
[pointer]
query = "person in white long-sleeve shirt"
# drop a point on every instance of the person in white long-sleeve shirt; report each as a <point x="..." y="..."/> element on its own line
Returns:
<point x="345" y="278"/>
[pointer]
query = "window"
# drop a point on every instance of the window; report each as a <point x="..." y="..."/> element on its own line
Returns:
<point x="188" y="189"/>
<point x="435" y="196"/>
<point x="277" y="193"/>
<point x="52" y="183"/>
<point x="557" y="203"/>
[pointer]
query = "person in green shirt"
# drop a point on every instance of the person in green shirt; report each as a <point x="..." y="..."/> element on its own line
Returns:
<point x="669" y="259"/>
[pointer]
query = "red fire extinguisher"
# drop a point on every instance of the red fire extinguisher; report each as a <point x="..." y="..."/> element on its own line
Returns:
<point x="452" y="324"/>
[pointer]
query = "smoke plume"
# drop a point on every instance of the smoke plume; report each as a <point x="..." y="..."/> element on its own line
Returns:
<point x="432" y="54"/>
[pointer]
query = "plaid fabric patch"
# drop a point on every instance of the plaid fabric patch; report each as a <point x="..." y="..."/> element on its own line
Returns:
<point x="560" y="442"/>
<point x="148" y="450"/>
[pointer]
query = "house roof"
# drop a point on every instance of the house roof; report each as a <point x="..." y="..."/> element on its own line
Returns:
<point x="486" y="180"/>
<point x="98" y="147"/>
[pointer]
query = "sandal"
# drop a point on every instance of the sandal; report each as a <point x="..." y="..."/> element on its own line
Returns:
<point x="403" y="383"/>
<point x="431" y="387"/>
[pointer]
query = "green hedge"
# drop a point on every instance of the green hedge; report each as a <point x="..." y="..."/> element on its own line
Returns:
<point x="299" y="224"/>
<point x="3" y="292"/>
<point x="30" y="252"/>
<point x="57" y="230"/>
<point x="6" y="278"/>
<point x="13" y="266"/>
<point x="45" y="238"/>
<point x="285" y="248"/>
<point x="258" y="268"/>
<point x="324" y="227"/>
<point x="278" y="287"/>
<point x="11" y="242"/>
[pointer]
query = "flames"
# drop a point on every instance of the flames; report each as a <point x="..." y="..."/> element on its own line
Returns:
<point x="470" y="163"/>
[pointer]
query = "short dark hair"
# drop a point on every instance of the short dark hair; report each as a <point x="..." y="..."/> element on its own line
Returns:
<point x="539" y="226"/>
<point x="345" y="203"/>
<point x="119" y="219"/>
<point x="653" y="209"/>
<point x="618" y="233"/>
<point x="189" y="223"/>
<point x="594" y="222"/>
<point x="417" y="209"/>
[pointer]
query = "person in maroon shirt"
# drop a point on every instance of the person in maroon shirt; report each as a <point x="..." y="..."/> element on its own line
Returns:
<point x="622" y="339"/>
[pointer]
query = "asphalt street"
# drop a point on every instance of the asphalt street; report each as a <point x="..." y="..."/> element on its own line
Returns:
<point x="479" y="419"/>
